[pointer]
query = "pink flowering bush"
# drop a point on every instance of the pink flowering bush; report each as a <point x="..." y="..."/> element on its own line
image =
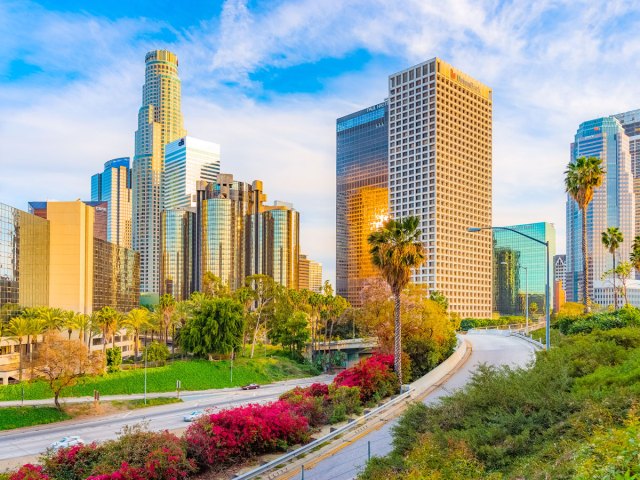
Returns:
<point x="232" y="435"/>
<point x="374" y="377"/>
<point x="29" y="472"/>
<point x="72" y="463"/>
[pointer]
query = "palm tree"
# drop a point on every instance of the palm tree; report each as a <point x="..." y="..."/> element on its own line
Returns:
<point x="612" y="238"/>
<point x="82" y="323"/>
<point x="107" y="320"/>
<point x="395" y="250"/>
<point x="582" y="177"/>
<point x="18" y="329"/>
<point x="135" y="321"/>
<point x="165" y="308"/>
<point x="635" y="253"/>
<point x="52" y="318"/>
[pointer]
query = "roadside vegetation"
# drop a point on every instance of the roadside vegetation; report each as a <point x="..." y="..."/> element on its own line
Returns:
<point x="16" y="417"/>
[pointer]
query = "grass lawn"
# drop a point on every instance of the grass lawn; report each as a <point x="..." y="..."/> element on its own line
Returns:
<point x="139" y="403"/>
<point x="16" y="417"/>
<point x="194" y="375"/>
<point x="541" y="336"/>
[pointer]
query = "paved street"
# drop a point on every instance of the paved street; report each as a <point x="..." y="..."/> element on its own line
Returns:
<point x="34" y="440"/>
<point x="489" y="349"/>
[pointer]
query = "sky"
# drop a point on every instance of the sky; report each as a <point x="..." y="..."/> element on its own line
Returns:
<point x="267" y="80"/>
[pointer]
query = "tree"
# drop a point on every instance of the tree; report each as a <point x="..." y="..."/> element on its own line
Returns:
<point x="624" y="271"/>
<point x="213" y="286"/>
<point x="395" y="250"/>
<point x="293" y="332"/>
<point x="582" y="177"/>
<point x="157" y="352"/>
<point x="107" y="320"/>
<point x="165" y="309"/>
<point x="82" y="323"/>
<point x="136" y="321"/>
<point x="52" y="318"/>
<point x="19" y="329"/>
<point x="263" y="289"/>
<point x="612" y="238"/>
<point x="635" y="254"/>
<point x="533" y="308"/>
<point x="215" y="326"/>
<point x="440" y="299"/>
<point x="61" y="362"/>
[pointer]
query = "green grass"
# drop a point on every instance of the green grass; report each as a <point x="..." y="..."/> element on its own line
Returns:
<point x="541" y="336"/>
<point x="194" y="375"/>
<point x="16" y="417"/>
<point x="139" y="403"/>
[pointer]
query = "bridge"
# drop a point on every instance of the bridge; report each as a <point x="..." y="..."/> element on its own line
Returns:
<point x="354" y="348"/>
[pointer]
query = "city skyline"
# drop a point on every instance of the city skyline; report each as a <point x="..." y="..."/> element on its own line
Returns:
<point x="241" y="84"/>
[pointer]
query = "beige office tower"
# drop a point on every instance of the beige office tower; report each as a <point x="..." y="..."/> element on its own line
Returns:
<point x="440" y="171"/>
<point x="309" y="274"/>
<point x="159" y="122"/>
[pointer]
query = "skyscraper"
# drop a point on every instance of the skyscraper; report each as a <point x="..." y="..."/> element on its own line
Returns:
<point x="310" y="274"/>
<point x="613" y="205"/>
<point x="282" y="243"/>
<point x="159" y="122"/>
<point x="440" y="163"/>
<point x="560" y="269"/>
<point x="520" y="267"/>
<point x="177" y="242"/>
<point x="113" y="186"/>
<point x="187" y="160"/>
<point x="362" y="196"/>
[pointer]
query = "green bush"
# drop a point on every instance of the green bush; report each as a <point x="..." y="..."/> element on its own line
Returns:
<point x="114" y="359"/>
<point x="587" y="323"/>
<point x="157" y="352"/>
<point x="469" y="323"/>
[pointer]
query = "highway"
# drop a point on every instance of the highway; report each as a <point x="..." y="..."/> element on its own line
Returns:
<point x="27" y="442"/>
<point x="346" y="462"/>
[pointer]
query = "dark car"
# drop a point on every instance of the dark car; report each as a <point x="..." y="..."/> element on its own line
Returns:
<point x="251" y="386"/>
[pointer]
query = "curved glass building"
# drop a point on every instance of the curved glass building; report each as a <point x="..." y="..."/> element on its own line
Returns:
<point x="176" y="264"/>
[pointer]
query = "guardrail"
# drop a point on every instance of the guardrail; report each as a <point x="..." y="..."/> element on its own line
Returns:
<point x="510" y="327"/>
<point x="320" y="441"/>
<point x="527" y="338"/>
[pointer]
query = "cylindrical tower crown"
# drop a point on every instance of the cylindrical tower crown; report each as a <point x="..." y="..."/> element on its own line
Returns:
<point x="161" y="56"/>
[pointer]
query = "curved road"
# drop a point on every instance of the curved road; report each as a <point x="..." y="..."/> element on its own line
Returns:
<point x="490" y="349"/>
<point x="24" y="443"/>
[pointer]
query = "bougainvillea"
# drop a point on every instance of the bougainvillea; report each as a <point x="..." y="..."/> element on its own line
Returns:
<point x="231" y="435"/>
<point x="29" y="472"/>
<point x="72" y="463"/>
<point x="373" y="376"/>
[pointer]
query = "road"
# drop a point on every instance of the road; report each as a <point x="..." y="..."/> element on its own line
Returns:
<point x="490" y="349"/>
<point x="32" y="441"/>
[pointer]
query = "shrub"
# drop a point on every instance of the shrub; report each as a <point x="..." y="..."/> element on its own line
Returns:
<point x="29" y="472"/>
<point x="232" y="435"/>
<point x="125" y="472"/>
<point x="114" y="359"/>
<point x="72" y="463"/>
<point x="577" y="324"/>
<point x="157" y="352"/>
<point x="373" y="376"/>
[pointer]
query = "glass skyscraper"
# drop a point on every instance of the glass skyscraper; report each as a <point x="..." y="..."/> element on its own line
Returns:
<point x="613" y="205"/>
<point x="282" y="244"/>
<point x="177" y="241"/>
<point x="362" y="197"/>
<point x="159" y="122"/>
<point x="520" y="265"/>
<point x="113" y="186"/>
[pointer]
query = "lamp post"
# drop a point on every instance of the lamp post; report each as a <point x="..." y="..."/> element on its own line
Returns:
<point x="546" y="244"/>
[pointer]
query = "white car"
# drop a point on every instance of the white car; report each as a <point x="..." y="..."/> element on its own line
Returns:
<point x="190" y="417"/>
<point x="66" y="442"/>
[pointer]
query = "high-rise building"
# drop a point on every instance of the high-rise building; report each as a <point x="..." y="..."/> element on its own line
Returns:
<point x="310" y="274"/>
<point x="24" y="261"/>
<point x="113" y="186"/>
<point x="362" y="196"/>
<point x="613" y="205"/>
<point x="187" y="160"/>
<point x="520" y="266"/>
<point x="560" y="269"/>
<point x="282" y="243"/>
<point x="159" y="122"/>
<point x="177" y="242"/>
<point x="100" y="216"/>
<point x="440" y="167"/>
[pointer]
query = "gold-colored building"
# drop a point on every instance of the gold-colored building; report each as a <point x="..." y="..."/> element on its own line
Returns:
<point x="309" y="274"/>
<point x="440" y="170"/>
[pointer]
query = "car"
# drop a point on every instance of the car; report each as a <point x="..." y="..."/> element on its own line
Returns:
<point x="251" y="386"/>
<point x="190" y="417"/>
<point x="66" y="442"/>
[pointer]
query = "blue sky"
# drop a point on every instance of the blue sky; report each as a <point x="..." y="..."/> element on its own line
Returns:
<point x="267" y="79"/>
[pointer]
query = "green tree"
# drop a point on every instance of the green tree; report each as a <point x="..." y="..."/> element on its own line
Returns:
<point x="213" y="286"/>
<point x="635" y="253"/>
<point x="623" y="272"/>
<point x="19" y="329"/>
<point x="136" y="321"/>
<point x="293" y="333"/>
<point x="533" y="308"/>
<point x="165" y="308"/>
<point x="215" y="326"/>
<point x="440" y="299"/>
<point x="51" y="318"/>
<point x="114" y="359"/>
<point x="395" y="250"/>
<point x="108" y="320"/>
<point x="612" y="238"/>
<point x="582" y="177"/>
<point x="157" y="352"/>
<point x="263" y="289"/>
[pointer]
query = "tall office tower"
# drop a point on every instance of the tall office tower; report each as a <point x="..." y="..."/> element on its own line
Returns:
<point x="613" y="205"/>
<point x="113" y="186"/>
<point x="362" y="197"/>
<point x="560" y="269"/>
<point x="282" y="243"/>
<point x="520" y="268"/>
<point x="309" y="274"/>
<point x="159" y="122"/>
<point x="187" y="160"/>
<point x="177" y="242"/>
<point x="440" y="124"/>
<point x="631" y="123"/>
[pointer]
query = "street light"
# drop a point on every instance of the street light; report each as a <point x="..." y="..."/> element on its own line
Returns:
<point x="546" y="244"/>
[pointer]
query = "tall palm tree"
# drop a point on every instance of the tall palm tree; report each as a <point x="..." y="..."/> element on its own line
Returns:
<point x="19" y="329"/>
<point x="136" y="321"/>
<point x="82" y="323"/>
<point x="582" y="177"/>
<point x="612" y="238"/>
<point x="107" y="320"/>
<point x="395" y="250"/>
<point x="52" y="318"/>
<point x="165" y="308"/>
<point x="635" y="254"/>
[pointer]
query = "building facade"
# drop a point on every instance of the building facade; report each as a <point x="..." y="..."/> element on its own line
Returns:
<point x="282" y="244"/>
<point x="160" y="122"/>
<point x="613" y="205"/>
<point x="560" y="269"/>
<point x="187" y="160"/>
<point x="177" y="243"/>
<point x="440" y="170"/>
<point x="362" y="195"/>
<point x="113" y="186"/>
<point x="24" y="261"/>
<point x="520" y="267"/>
<point x="309" y="274"/>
